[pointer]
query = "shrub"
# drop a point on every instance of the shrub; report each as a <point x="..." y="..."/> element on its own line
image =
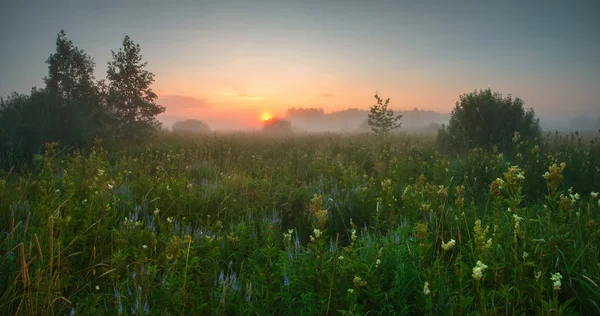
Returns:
<point x="486" y="119"/>
<point x="277" y="126"/>
<point x="190" y="127"/>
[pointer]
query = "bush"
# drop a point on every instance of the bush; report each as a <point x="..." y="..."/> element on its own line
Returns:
<point x="190" y="127"/>
<point x="277" y="126"/>
<point x="487" y="120"/>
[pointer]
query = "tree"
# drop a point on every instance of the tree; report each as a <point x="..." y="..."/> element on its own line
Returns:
<point x="131" y="100"/>
<point x="190" y="127"/>
<point x="381" y="119"/>
<point x="73" y="105"/>
<point x="277" y="126"/>
<point x="485" y="119"/>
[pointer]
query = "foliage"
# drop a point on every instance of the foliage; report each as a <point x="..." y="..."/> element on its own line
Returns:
<point x="73" y="109"/>
<point x="381" y="119"/>
<point x="277" y="126"/>
<point x="315" y="224"/>
<point x="190" y="127"/>
<point x="487" y="120"/>
<point x="131" y="100"/>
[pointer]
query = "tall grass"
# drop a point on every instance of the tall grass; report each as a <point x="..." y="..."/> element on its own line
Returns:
<point x="306" y="224"/>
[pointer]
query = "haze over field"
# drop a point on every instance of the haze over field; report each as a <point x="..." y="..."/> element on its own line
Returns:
<point x="229" y="62"/>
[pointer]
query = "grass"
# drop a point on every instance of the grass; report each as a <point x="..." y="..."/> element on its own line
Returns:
<point x="302" y="225"/>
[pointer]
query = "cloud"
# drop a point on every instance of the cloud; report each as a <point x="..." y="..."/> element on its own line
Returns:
<point x="240" y="95"/>
<point x="327" y="95"/>
<point x="248" y="96"/>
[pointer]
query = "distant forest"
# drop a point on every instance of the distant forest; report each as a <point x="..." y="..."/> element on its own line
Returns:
<point x="353" y="119"/>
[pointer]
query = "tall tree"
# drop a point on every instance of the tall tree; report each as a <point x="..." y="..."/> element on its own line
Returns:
<point x="131" y="100"/>
<point x="70" y="105"/>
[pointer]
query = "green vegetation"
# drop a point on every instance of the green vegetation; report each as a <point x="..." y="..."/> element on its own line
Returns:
<point x="381" y="119"/>
<point x="313" y="224"/>
<point x="486" y="119"/>
<point x="74" y="109"/>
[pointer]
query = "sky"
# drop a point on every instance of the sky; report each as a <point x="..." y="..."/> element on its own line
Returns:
<point x="234" y="60"/>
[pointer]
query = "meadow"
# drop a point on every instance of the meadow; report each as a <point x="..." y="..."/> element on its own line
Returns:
<point x="227" y="224"/>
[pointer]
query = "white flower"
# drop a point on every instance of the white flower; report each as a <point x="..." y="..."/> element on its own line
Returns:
<point x="109" y="186"/>
<point x="170" y="219"/>
<point x="488" y="244"/>
<point x="353" y="236"/>
<point x="426" y="288"/>
<point x="525" y="255"/>
<point x="144" y="246"/>
<point x="556" y="277"/>
<point x="449" y="245"/>
<point x="377" y="262"/>
<point x="341" y="258"/>
<point x="350" y="291"/>
<point x="100" y="172"/>
<point x="594" y="195"/>
<point x="97" y="287"/>
<point x="478" y="270"/>
<point x="317" y="233"/>
<point x="156" y="211"/>
<point x="57" y="191"/>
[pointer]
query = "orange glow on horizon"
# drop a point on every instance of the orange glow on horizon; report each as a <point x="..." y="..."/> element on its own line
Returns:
<point x="265" y="116"/>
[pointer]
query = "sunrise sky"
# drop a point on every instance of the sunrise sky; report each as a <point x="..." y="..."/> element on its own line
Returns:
<point x="234" y="60"/>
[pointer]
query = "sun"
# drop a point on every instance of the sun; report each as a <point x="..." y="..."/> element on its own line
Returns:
<point x="266" y="116"/>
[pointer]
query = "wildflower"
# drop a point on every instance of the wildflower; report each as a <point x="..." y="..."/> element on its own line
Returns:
<point x="353" y="235"/>
<point x="478" y="270"/>
<point x="350" y="291"/>
<point x="341" y="258"/>
<point x="100" y="172"/>
<point x="84" y="201"/>
<point x="358" y="282"/>
<point x="556" y="277"/>
<point x="57" y="191"/>
<point x="288" y="236"/>
<point x="170" y="219"/>
<point x="377" y="263"/>
<point x="488" y="244"/>
<point x="449" y="245"/>
<point x="110" y="187"/>
<point x="317" y="233"/>
<point x="525" y="255"/>
<point x="156" y="211"/>
<point x="97" y="287"/>
<point x="144" y="246"/>
<point x="426" y="290"/>
<point x="594" y="195"/>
